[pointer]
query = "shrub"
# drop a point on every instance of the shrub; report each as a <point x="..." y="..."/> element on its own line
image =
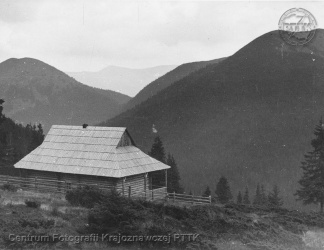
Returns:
<point x="37" y="223"/>
<point x="85" y="196"/>
<point x="120" y="215"/>
<point x="20" y="220"/>
<point x="32" y="203"/>
<point x="55" y="212"/>
<point x="9" y="187"/>
<point x="112" y="213"/>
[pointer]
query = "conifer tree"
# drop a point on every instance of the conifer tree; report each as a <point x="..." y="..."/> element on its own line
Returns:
<point x="8" y="157"/>
<point x="1" y="109"/>
<point x="239" y="198"/>
<point x="207" y="192"/>
<point x="40" y="133"/>
<point x="158" y="153"/>
<point x="3" y="139"/>
<point x="312" y="181"/>
<point x="257" y="198"/>
<point x="173" y="176"/>
<point x="16" y="140"/>
<point x="157" y="150"/>
<point x="246" y="198"/>
<point x="263" y="197"/>
<point x="223" y="191"/>
<point x="274" y="198"/>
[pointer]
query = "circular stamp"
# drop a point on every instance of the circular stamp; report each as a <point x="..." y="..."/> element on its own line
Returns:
<point x="297" y="26"/>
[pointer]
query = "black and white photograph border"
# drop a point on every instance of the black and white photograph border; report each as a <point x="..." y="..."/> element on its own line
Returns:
<point x="164" y="124"/>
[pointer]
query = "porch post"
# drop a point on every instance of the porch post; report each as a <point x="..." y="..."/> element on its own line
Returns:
<point x="145" y="184"/>
<point x="123" y="186"/>
<point x="151" y="182"/>
<point x="166" y="184"/>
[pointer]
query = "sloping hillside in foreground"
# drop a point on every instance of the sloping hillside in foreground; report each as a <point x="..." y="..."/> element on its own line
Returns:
<point x="236" y="227"/>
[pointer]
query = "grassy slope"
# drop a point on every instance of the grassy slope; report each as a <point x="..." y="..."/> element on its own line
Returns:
<point x="230" y="227"/>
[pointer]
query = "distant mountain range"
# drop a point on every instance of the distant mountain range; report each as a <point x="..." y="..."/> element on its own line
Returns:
<point x="120" y="79"/>
<point x="37" y="92"/>
<point x="249" y="117"/>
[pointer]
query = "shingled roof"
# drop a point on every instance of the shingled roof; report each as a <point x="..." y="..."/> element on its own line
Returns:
<point x="89" y="151"/>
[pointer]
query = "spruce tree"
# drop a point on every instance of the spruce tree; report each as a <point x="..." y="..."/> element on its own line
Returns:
<point x="40" y="134"/>
<point x="263" y="197"/>
<point x="157" y="150"/>
<point x="3" y="139"/>
<point x="173" y="176"/>
<point x="312" y="181"/>
<point x="274" y="199"/>
<point x="158" y="153"/>
<point x="257" y="198"/>
<point x="8" y="157"/>
<point x="246" y="198"/>
<point x="223" y="191"/>
<point x="16" y="140"/>
<point x="239" y="198"/>
<point x="1" y="109"/>
<point x="207" y="192"/>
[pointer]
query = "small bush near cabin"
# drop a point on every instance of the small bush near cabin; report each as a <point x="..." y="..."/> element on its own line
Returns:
<point x="55" y="212"/>
<point x="32" y="204"/>
<point x="85" y="196"/>
<point x="116" y="214"/>
<point x="9" y="187"/>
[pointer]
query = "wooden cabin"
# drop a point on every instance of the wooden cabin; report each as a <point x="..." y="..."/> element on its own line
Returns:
<point x="107" y="157"/>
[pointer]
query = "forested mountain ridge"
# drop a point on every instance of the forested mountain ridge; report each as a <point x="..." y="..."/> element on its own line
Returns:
<point x="166" y="80"/>
<point x="249" y="117"/>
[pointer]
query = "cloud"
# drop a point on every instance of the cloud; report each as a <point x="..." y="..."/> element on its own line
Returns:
<point x="18" y="10"/>
<point x="78" y="35"/>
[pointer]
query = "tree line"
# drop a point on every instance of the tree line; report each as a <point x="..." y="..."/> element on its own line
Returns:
<point x="223" y="193"/>
<point x="311" y="190"/>
<point x="17" y="140"/>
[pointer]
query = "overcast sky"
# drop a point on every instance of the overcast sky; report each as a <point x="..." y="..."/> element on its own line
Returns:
<point x="77" y="35"/>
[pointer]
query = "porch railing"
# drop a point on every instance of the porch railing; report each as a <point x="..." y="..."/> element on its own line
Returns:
<point x="61" y="187"/>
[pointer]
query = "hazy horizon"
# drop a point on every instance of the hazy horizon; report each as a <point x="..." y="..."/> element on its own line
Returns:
<point x="76" y="36"/>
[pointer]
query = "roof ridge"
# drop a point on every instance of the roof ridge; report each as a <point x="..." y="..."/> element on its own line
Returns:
<point x="87" y="128"/>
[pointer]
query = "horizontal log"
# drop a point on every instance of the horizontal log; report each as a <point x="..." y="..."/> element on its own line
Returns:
<point x="188" y="199"/>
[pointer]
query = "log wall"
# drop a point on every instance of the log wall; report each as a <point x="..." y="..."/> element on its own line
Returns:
<point x="53" y="182"/>
<point x="133" y="185"/>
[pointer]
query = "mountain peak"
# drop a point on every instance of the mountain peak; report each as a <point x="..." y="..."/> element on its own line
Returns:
<point x="26" y="66"/>
<point x="37" y="92"/>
